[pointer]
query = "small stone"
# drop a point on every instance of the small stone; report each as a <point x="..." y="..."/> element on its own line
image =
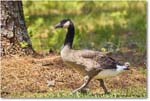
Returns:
<point x="50" y="83"/>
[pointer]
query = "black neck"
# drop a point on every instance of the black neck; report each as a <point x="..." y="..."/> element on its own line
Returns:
<point x="69" y="36"/>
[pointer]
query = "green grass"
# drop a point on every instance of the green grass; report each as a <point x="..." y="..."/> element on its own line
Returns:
<point x="131" y="92"/>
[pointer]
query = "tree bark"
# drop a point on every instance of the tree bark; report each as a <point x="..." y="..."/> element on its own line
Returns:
<point x="14" y="36"/>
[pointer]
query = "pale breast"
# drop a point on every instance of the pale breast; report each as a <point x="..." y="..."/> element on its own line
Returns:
<point x="107" y="73"/>
<point x="80" y="68"/>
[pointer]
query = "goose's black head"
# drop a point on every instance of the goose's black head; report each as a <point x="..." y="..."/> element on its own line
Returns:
<point x="65" y="23"/>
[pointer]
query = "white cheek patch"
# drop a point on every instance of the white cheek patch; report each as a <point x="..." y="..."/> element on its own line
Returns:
<point x="66" y="25"/>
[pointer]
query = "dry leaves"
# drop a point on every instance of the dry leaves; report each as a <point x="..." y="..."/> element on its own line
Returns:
<point x="28" y="74"/>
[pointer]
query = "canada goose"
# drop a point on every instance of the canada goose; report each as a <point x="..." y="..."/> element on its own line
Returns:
<point x="89" y="63"/>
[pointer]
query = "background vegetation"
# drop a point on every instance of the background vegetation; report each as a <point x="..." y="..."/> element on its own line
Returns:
<point x="118" y="27"/>
<point x="109" y="25"/>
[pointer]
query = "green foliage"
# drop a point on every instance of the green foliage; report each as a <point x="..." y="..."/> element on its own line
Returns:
<point x="23" y="44"/>
<point x="97" y="23"/>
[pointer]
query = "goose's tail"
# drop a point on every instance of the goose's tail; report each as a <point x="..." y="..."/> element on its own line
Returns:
<point x="124" y="67"/>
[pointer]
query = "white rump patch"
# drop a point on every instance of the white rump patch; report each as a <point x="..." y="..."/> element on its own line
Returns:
<point x="121" y="68"/>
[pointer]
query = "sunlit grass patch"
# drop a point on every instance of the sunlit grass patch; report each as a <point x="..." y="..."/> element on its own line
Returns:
<point x="131" y="92"/>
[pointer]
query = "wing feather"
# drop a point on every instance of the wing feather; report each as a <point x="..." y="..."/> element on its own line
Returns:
<point x="96" y="58"/>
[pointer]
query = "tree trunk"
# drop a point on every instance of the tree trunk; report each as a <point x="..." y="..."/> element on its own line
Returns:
<point x="14" y="36"/>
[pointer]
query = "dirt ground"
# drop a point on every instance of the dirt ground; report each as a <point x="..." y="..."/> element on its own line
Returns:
<point x="29" y="74"/>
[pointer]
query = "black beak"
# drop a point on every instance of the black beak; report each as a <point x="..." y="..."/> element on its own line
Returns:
<point x="58" y="25"/>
